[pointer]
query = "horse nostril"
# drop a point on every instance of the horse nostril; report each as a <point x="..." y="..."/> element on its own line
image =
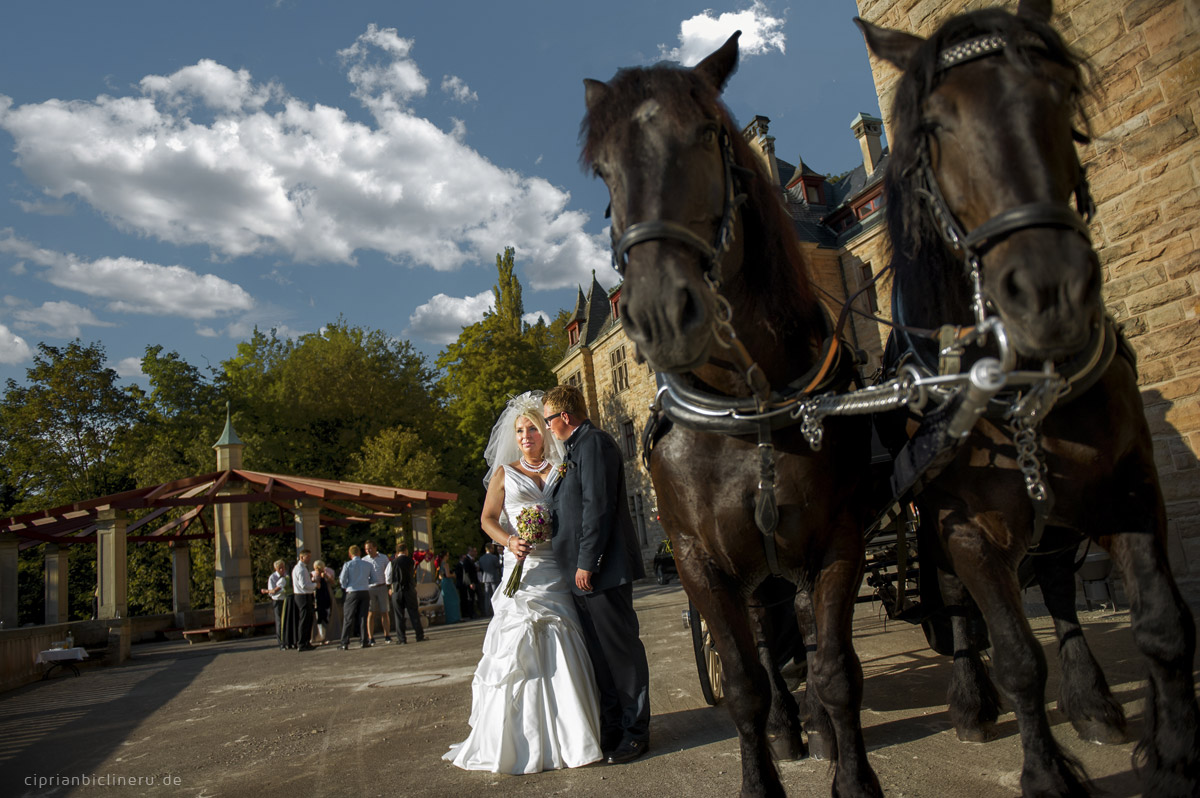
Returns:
<point x="688" y="313"/>
<point x="1011" y="286"/>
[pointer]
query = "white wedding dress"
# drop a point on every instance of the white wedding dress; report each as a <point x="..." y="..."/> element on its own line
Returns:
<point x="534" y="704"/>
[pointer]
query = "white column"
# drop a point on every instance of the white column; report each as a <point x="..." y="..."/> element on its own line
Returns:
<point x="58" y="597"/>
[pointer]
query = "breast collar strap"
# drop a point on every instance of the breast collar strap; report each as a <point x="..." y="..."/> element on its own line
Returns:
<point x="703" y="411"/>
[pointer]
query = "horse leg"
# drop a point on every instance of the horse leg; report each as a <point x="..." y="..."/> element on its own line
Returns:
<point x="973" y="700"/>
<point x="1165" y="633"/>
<point x="743" y="677"/>
<point x="783" y="717"/>
<point x="1083" y="693"/>
<point x="816" y="722"/>
<point x="836" y="673"/>
<point x="1020" y="666"/>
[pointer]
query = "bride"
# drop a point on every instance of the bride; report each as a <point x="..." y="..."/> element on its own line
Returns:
<point x="534" y="704"/>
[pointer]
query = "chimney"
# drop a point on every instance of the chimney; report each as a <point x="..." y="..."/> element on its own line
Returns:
<point x="756" y="135"/>
<point x="867" y="129"/>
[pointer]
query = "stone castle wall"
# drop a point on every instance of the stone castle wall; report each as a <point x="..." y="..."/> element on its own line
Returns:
<point x="1143" y="169"/>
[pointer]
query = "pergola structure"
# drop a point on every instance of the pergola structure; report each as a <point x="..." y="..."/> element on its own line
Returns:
<point x="310" y="503"/>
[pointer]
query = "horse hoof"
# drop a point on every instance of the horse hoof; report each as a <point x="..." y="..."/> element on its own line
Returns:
<point x="1094" y="731"/>
<point x="786" y="747"/>
<point x="819" y="746"/>
<point x="978" y="734"/>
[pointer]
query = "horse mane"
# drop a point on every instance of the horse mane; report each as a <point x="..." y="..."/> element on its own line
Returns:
<point x="775" y="274"/>
<point x="920" y="258"/>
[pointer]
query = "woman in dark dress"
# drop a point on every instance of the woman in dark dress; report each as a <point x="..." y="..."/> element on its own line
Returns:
<point x="324" y="600"/>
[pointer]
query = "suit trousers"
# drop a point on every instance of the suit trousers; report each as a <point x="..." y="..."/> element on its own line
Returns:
<point x="305" y="609"/>
<point x="280" y="621"/>
<point x="611" y="631"/>
<point x="405" y="607"/>
<point x="354" y="615"/>
<point x="486" y="589"/>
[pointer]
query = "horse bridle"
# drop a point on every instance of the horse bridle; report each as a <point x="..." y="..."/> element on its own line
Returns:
<point x="713" y="254"/>
<point x="974" y="243"/>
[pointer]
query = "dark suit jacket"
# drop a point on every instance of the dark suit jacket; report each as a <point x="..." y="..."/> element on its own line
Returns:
<point x="593" y="530"/>
<point x="402" y="572"/>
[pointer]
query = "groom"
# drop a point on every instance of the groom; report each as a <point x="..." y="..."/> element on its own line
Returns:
<point x="596" y="548"/>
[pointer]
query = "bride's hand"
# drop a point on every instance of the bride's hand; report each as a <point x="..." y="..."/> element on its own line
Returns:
<point x="519" y="547"/>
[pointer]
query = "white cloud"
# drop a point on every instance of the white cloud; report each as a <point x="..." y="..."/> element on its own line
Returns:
<point x="387" y="83"/>
<point x="533" y="318"/>
<point x="42" y="208"/>
<point x="207" y="156"/>
<point x="134" y="286"/>
<point x="442" y="318"/>
<point x="129" y="368"/>
<point x="13" y="348"/>
<point x="57" y="319"/>
<point x="457" y="88"/>
<point x="704" y="33"/>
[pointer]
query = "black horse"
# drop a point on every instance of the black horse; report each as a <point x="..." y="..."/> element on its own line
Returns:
<point x="982" y="169"/>
<point x="717" y="297"/>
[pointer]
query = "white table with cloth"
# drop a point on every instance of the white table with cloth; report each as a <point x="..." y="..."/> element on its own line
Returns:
<point x="60" y="658"/>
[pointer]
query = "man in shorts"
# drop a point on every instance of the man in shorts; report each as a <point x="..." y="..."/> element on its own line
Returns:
<point x="379" y="592"/>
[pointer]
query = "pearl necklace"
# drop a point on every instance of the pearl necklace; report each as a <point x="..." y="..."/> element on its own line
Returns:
<point x="538" y="468"/>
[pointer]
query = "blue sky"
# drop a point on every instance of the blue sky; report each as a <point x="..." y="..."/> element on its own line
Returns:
<point x="179" y="173"/>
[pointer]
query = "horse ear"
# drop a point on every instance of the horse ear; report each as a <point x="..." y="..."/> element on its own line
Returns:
<point x="722" y="63"/>
<point x="890" y="45"/>
<point x="1037" y="10"/>
<point x="594" y="92"/>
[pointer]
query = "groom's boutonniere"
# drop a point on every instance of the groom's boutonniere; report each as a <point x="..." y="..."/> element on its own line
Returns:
<point x="562" y="470"/>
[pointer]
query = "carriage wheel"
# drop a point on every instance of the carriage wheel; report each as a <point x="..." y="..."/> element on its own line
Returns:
<point x="708" y="662"/>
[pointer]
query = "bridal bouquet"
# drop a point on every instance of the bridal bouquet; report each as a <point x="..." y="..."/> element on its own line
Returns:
<point x="533" y="527"/>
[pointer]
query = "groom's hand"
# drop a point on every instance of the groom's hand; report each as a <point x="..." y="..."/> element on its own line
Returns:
<point x="583" y="580"/>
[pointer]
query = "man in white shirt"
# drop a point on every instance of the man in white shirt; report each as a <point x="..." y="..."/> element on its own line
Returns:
<point x="279" y="601"/>
<point x="379" y="592"/>
<point x="305" y="595"/>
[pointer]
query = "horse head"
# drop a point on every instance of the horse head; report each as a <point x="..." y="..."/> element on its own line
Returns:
<point x="984" y="155"/>
<point x="662" y="142"/>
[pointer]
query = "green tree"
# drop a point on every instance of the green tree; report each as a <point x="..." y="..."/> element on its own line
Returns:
<point x="64" y="430"/>
<point x="305" y="407"/>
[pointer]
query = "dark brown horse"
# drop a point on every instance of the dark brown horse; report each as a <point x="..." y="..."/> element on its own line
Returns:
<point x="982" y="171"/>
<point x="717" y="297"/>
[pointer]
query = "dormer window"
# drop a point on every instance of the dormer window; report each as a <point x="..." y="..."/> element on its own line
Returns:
<point x="812" y="194"/>
<point x="616" y="312"/>
<point x="573" y="333"/>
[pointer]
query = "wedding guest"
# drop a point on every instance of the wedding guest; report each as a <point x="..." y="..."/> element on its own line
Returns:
<point x="335" y="601"/>
<point x="449" y="590"/>
<point x="321" y="578"/>
<point x="465" y="577"/>
<point x="355" y="580"/>
<point x="274" y="589"/>
<point x="378" y="606"/>
<point x="402" y="584"/>
<point x="304" y="595"/>
<point x="489" y="577"/>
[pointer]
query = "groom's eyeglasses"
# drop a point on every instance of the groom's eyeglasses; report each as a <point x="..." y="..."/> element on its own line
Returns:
<point x="548" y="419"/>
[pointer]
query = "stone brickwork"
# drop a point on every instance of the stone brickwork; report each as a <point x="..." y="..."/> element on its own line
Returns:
<point x="1143" y="169"/>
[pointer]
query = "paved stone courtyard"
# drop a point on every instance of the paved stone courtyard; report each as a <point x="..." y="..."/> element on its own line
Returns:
<point x="241" y="718"/>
